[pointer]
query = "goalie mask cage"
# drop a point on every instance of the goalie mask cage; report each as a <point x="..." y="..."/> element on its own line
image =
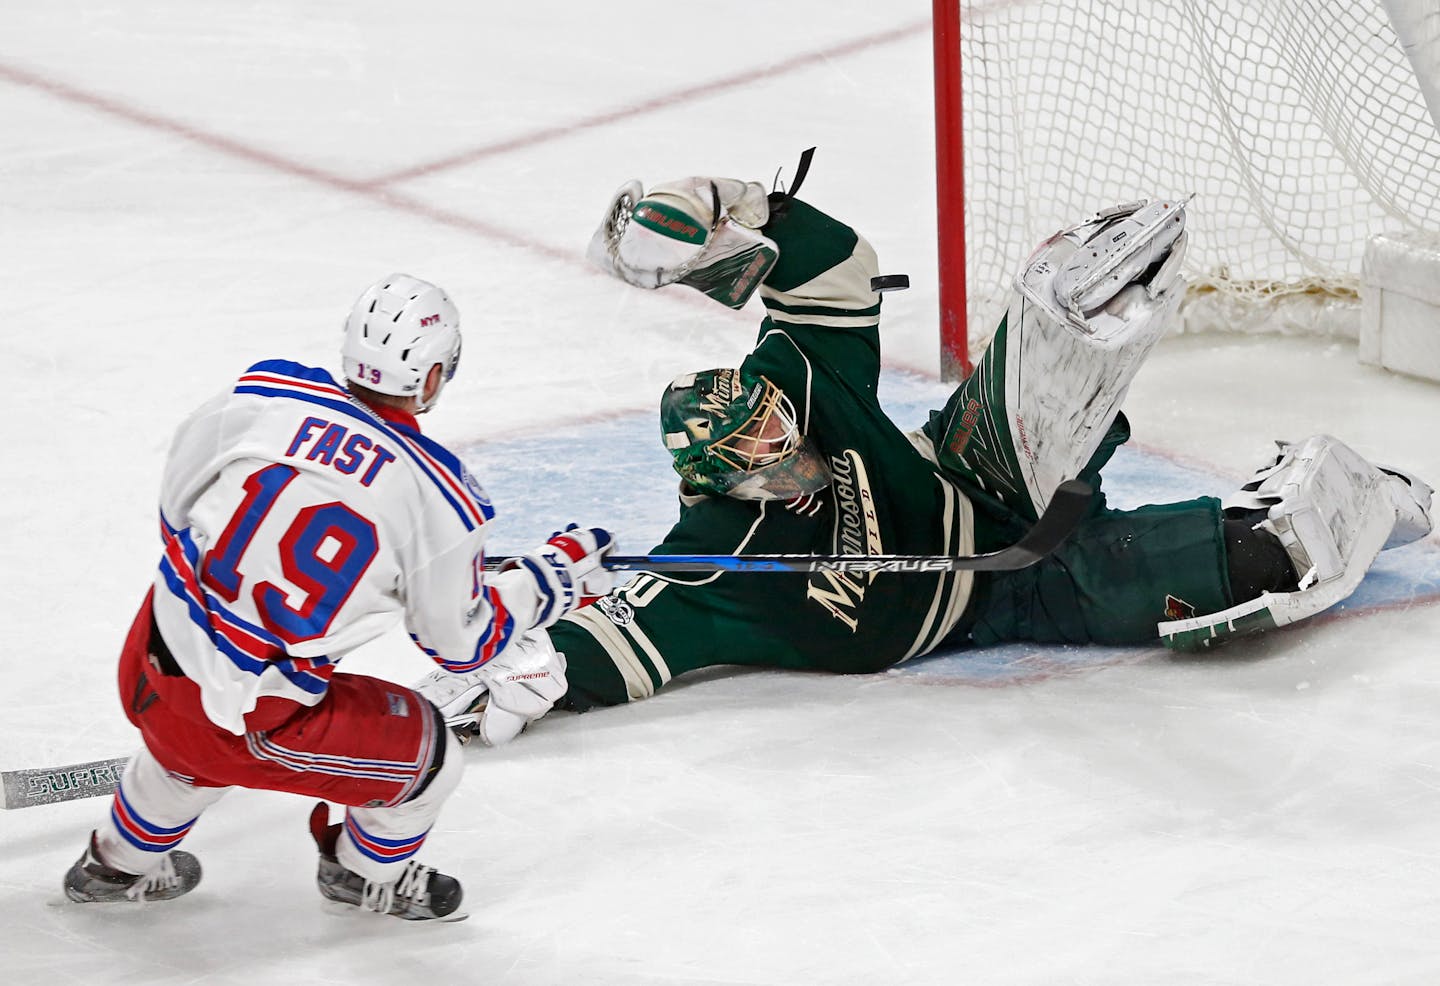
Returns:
<point x="1299" y="125"/>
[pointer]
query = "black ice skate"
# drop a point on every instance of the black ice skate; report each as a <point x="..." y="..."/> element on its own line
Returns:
<point x="91" y="881"/>
<point x="421" y="893"/>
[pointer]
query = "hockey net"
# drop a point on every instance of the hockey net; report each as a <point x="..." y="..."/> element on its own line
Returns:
<point x="1298" y="125"/>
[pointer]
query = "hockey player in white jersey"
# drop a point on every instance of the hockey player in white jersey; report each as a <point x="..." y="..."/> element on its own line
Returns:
<point x="301" y="517"/>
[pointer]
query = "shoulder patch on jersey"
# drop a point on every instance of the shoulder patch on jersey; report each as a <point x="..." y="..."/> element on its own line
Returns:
<point x="620" y="613"/>
<point x="442" y="458"/>
<point x="472" y="485"/>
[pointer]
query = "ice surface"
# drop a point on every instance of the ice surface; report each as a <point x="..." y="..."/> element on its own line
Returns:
<point x="190" y="187"/>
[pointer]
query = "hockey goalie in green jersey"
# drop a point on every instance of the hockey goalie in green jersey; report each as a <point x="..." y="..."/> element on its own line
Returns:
<point x="791" y="453"/>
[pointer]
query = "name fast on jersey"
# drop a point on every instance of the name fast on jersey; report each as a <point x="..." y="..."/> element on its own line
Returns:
<point x="335" y="445"/>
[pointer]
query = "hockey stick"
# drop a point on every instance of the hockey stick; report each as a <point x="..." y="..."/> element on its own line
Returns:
<point x="1068" y="506"/>
<point x="48" y="785"/>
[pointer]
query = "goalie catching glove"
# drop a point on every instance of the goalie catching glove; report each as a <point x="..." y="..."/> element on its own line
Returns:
<point x="498" y="701"/>
<point x="700" y="232"/>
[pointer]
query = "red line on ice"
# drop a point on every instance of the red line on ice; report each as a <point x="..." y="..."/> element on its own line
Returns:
<point x="661" y="102"/>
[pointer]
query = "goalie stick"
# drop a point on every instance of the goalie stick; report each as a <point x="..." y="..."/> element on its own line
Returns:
<point x="1068" y="506"/>
<point x="48" y="785"/>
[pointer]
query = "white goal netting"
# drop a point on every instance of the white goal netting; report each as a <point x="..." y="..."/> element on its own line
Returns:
<point x="1298" y="125"/>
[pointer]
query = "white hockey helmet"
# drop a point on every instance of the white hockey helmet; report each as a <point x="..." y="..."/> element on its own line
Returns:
<point x="399" y="328"/>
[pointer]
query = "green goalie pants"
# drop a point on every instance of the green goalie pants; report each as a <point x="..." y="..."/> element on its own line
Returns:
<point x="1118" y="575"/>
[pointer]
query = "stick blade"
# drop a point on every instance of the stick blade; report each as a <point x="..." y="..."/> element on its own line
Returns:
<point x="49" y="785"/>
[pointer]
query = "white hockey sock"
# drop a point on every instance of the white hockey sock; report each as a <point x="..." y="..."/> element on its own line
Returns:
<point x="151" y="812"/>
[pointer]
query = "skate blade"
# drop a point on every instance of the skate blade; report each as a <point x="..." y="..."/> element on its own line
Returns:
<point x="338" y="909"/>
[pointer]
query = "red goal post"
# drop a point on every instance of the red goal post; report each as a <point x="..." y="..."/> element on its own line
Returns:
<point x="950" y="191"/>
<point x="1299" y="125"/>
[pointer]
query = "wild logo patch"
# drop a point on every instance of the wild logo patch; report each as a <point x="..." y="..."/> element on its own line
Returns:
<point x="1177" y="608"/>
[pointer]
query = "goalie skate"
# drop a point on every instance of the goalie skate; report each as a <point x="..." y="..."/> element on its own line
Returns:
<point x="1122" y="242"/>
<point x="1333" y="512"/>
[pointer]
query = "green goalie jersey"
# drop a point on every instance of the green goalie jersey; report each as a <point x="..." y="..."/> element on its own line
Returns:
<point x="820" y="344"/>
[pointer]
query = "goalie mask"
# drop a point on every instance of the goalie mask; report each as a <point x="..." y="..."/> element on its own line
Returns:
<point x="735" y="433"/>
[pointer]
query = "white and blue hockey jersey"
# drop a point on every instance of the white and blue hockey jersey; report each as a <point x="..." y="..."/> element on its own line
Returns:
<point x="299" y="524"/>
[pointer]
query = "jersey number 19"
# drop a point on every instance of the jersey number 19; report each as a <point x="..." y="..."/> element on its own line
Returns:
<point x="323" y="553"/>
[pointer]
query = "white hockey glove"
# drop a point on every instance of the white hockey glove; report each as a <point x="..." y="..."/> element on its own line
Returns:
<point x="700" y="232"/>
<point x="569" y="571"/>
<point x="499" y="700"/>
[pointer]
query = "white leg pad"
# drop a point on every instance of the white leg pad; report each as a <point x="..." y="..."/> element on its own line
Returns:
<point x="1325" y="503"/>
<point x="1087" y="311"/>
<point x="1412" y="497"/>
<point x="1334" y="512"/>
